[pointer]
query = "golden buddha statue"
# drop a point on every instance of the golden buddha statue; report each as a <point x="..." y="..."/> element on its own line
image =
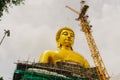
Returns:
<point x="65" y="39"/>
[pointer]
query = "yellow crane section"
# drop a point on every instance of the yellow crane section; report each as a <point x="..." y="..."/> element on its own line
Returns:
<point x="86" y="28"/>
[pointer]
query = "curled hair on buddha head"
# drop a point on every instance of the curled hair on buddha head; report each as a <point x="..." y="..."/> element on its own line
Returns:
<point x="58" y="35"/>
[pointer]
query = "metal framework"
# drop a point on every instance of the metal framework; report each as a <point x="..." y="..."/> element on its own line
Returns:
<point x="7" y="32"/>
<point x="86" y="28"/>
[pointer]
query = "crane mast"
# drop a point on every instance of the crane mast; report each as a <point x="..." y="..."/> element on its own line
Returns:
<point x="86" y="28"/>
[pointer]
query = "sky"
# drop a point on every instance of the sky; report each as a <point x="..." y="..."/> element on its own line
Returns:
<point x="33" y="28"/>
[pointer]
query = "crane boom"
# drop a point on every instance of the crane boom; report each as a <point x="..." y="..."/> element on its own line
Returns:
<point x="7" y="32"/>
<point x="86" y="28"/>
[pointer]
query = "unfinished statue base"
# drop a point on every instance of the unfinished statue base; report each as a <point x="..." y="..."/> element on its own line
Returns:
<point x="62" y="70"/>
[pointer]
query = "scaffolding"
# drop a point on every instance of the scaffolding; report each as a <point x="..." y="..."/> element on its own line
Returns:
<point x="61" y="71"/>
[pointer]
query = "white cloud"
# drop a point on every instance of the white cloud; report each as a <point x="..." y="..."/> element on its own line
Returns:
<point x="33" y="27"/>
<point x="40" y="2"/>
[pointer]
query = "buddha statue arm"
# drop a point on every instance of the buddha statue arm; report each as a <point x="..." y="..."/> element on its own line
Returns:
<point x="86" y="64"/>
<point x="47" y="57"/>
<point x="44" y="58"/>
<point x="77" y="58"/>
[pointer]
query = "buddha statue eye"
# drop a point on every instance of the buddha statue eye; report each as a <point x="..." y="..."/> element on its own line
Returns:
<point x="71" y="34"/>
<point x="65" y="33"/>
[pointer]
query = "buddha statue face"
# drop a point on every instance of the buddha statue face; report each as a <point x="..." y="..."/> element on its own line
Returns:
<point x="65" y="37"/>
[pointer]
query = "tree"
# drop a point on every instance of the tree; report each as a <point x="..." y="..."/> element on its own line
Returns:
<point x="5" y="4"/>
<point x="1" y="78"/>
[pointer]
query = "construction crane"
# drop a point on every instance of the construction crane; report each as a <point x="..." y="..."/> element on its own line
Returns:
<point x="86" y="28"/>
<point x="6" y="32"/>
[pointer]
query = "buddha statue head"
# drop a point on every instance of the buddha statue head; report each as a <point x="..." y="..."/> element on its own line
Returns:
<point x="65" y="37"/>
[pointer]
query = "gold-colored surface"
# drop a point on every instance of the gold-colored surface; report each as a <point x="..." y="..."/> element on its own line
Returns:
<point x="65" y="40"/>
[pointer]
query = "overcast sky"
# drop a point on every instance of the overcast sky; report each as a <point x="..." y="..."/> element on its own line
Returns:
<point x="34" y="25"/>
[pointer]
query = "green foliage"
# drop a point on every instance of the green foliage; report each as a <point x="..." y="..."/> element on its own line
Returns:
<point x="1" y="78"/>
<point x="5" y="4"/>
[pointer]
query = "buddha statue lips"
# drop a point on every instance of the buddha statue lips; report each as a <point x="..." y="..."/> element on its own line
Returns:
<point x="68" y="41"/>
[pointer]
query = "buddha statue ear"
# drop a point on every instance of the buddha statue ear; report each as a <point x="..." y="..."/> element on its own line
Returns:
<point x="59" y="45"/>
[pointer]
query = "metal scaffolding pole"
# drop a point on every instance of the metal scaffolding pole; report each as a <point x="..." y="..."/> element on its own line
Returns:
<point x="6" y="32"/>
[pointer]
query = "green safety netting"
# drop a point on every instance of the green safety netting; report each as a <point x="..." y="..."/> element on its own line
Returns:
<point x="31" y="75"/>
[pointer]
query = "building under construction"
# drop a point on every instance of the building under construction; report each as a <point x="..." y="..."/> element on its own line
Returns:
<point x="62" y="71"/>
<point x="66" y="70"/>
